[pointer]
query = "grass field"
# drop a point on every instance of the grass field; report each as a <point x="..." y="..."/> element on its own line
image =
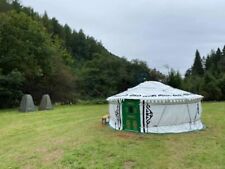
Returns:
<point x="73" y="137"/>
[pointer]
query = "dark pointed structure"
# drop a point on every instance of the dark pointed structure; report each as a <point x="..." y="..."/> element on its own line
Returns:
<point x="27" y="104"/>
<point x="46" y="103"/>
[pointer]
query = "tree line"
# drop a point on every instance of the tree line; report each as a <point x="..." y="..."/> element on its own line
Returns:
<point x="206" y="76"/>
<point x="38" y="55"/>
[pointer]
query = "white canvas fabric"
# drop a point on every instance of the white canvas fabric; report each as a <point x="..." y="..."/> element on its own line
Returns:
<point x="115" y="115"/>
<point x="172" y="118"/>
<point x="163" y="109"/>
<point x="156" y="92"/>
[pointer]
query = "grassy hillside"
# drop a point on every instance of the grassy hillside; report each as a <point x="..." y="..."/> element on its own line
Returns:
<point x="73" y="137"/>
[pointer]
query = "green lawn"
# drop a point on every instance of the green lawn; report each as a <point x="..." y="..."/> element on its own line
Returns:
<point x="73" y="137"/>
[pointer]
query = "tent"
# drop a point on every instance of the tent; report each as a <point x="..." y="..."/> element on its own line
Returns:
<point x="153" y="107"/>
<point x="27" y="104"/>
<point x="46" y="103"/>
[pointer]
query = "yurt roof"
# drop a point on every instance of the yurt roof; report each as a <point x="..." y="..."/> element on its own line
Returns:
<point x="154" y="91"/>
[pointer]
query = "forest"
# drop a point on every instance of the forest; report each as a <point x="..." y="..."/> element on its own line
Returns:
<point x="38" y="55"/>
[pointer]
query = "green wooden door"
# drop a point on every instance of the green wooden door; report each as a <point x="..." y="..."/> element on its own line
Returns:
<point x="131" y="115"/>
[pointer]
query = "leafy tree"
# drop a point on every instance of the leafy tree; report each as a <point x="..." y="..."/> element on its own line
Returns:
<point x="156" y="75"/>
<point x="16" y="5"/>
<point x="10" y="85"/>
<point x="26" y="47"/>
<point x="4" y="6"/>
<point x="174" y="79"/>
<point x="221" y="85"/>
<point x="188" y="73"/>
<point x="211" y="88"/>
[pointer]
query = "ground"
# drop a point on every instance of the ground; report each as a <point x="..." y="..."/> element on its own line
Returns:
<point x="73" y="137"/>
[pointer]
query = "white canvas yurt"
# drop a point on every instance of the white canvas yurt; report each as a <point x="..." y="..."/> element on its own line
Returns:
<point x="153" y="107"/>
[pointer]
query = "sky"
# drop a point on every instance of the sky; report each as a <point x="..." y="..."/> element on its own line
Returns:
<point x="164" y="33"/>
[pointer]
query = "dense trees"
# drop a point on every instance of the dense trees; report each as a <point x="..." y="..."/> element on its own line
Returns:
<point x="38" y="55"/>
<point x="28" y="55"/>
<point x="174" y="79"/>
<point x="10" y="88"/>
<point x="207" y="77"/>
<point x="104" y="75"/>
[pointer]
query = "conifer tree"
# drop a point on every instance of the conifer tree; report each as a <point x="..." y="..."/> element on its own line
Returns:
<point x="197" y="68"/>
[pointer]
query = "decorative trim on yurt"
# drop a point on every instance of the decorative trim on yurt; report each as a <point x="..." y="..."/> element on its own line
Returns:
<point x="118" y="115"/>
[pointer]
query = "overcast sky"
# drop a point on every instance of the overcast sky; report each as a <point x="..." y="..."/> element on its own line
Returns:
<point x="160" y="32"/>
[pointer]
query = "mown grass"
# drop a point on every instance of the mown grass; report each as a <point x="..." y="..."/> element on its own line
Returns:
<point x="73" y="137"/>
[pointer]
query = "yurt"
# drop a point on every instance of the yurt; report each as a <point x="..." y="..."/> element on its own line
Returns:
<point x="153" y="107"/>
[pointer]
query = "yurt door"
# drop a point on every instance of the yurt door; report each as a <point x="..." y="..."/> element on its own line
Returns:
<point x="131" y="115"/>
